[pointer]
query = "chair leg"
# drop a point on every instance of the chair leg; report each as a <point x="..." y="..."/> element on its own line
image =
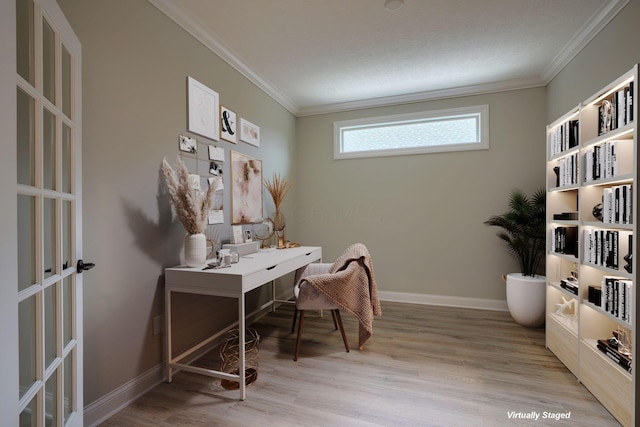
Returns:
<point x="339" y="319"/>
<point x="295" y="357"/>
<point x="335" y="322"/>
<point x="295" y="316"/>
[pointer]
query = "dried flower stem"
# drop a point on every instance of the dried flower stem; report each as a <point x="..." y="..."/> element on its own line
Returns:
<point x="192" y="206"/>
<point x="278" y="187"/>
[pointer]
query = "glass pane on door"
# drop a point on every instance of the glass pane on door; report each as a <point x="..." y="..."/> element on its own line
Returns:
<point x="67" y="380"/>
<point x="66" y="159"/>
<point x="48" y="61"/>
<point x="66" y="82"/>
<point x="26" y="139"/>
<point x="49" y="150"/>
<point x="27" y="343"/>
<point x="50" y="336"/>
<point x="66" y="311"/>
<point x="29" y="416"/>
<point x="67" y="235"/>
<point x="24" y="40"/>
<point x="49" y="237"/>
<point x="51" y="401"/>
<point x="26" y="241"/>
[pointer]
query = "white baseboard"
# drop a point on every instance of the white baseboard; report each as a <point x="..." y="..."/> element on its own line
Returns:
<point x="113" y="402"/>
<point x="444" y="300"/>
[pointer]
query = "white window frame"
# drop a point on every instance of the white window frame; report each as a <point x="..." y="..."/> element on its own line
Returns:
<point x="481" y="111"/>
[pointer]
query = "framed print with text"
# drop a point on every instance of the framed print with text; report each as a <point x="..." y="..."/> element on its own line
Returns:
<point x="228" y="126"/>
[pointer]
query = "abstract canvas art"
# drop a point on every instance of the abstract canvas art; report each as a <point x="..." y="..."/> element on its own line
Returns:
<point x="246" y="189"/>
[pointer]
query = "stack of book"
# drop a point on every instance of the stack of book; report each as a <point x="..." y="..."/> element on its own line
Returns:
<point x="568" y="171"/>
<point x="571" y="286"/>
<point x="612" y="353"/>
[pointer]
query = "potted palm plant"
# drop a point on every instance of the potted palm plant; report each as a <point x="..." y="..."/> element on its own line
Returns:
<point x="523" y="231"/>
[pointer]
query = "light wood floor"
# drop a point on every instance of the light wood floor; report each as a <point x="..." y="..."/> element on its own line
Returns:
<point x="424" y="366"/>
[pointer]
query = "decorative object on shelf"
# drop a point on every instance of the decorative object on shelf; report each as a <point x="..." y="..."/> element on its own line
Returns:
<point x="230" y="357"/>
<point x="263" y="230"/>
<point x="523" y="230"/>
<point x="278" y="187"/>
<point x="192" y="208"/>
<point x="246" y="189"/>
<point x="567" y="308"/>
<point x="203" y="109"/>
<point x="597" y="212"/>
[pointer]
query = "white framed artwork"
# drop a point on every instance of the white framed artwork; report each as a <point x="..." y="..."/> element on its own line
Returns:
<point x="204" y="108"/>
<point x="228" y="126"/>
<point x="249" y="132"/>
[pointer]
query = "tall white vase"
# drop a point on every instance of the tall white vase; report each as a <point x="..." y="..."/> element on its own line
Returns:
<point x="195" y="250"/>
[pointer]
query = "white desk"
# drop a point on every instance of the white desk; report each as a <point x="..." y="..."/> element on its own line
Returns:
<point x="251" y="272"/>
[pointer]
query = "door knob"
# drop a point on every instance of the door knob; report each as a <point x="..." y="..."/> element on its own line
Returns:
<point x="82" y="266"/>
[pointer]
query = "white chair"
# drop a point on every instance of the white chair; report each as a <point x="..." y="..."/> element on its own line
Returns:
<point x="308" y="297"/>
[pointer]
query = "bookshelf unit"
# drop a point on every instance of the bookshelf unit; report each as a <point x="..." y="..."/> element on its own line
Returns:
<point x="591" y="174"/>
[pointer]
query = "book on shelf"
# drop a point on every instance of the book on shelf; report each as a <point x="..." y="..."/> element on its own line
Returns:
<point x="564" y="137"/>
<point x="567" y="171"/>
<point x="616" y="297"/>
<point x="612" y="353"/>
<point x="617" y="202"/>
<point x="594" y="295"/>
<point x="566" y="216"/>
<point x="601" y="247"/>
<point x="565" y="240"/>
<point x="570" y="286"/>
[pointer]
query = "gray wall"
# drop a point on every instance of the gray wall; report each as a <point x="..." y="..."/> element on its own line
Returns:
<point x="421" y="216"/>
<point x="135" y="65"/>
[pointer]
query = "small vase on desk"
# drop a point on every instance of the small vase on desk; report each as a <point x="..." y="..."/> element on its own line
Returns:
<point x="195" y="250"/>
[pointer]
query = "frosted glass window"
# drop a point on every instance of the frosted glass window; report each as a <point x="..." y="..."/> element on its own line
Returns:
<point x="424" y="132"/>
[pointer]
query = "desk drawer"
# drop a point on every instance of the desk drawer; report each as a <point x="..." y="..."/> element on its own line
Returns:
<point x="273" y="272"/>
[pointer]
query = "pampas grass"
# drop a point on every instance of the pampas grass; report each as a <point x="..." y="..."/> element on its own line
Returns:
<point x="192" y="206"/>
<point x="278" y="187"/>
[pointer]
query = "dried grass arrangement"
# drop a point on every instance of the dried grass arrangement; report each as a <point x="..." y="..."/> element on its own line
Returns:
<point x="278" y="187"/>
<point x="191" y="205"/>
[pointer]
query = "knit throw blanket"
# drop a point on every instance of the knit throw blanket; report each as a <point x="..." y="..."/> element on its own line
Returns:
<point x="351" y="284"/>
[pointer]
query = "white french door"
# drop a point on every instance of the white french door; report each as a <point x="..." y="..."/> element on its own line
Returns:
<point x="48" y="287"/>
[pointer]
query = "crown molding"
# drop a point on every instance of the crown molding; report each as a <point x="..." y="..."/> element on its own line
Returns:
<point x="589" y="30"/>
<point x="481" y="89"/>
<point x="191" y="26"/>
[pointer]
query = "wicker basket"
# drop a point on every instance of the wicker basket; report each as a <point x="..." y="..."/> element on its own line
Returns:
<point x="230" y="355"/>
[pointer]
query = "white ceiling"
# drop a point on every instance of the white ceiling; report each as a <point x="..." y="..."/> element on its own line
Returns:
<point x="316" y="56"/>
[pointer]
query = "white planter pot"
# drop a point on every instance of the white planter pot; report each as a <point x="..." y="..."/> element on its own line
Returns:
<point x="195" y="250"/>
<point x="526" y="299"/>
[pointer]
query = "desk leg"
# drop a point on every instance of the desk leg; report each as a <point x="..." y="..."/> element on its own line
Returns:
<point x="241" y="348"/>
<point x="273" y="296"/>
<point x="167" y="334"/>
